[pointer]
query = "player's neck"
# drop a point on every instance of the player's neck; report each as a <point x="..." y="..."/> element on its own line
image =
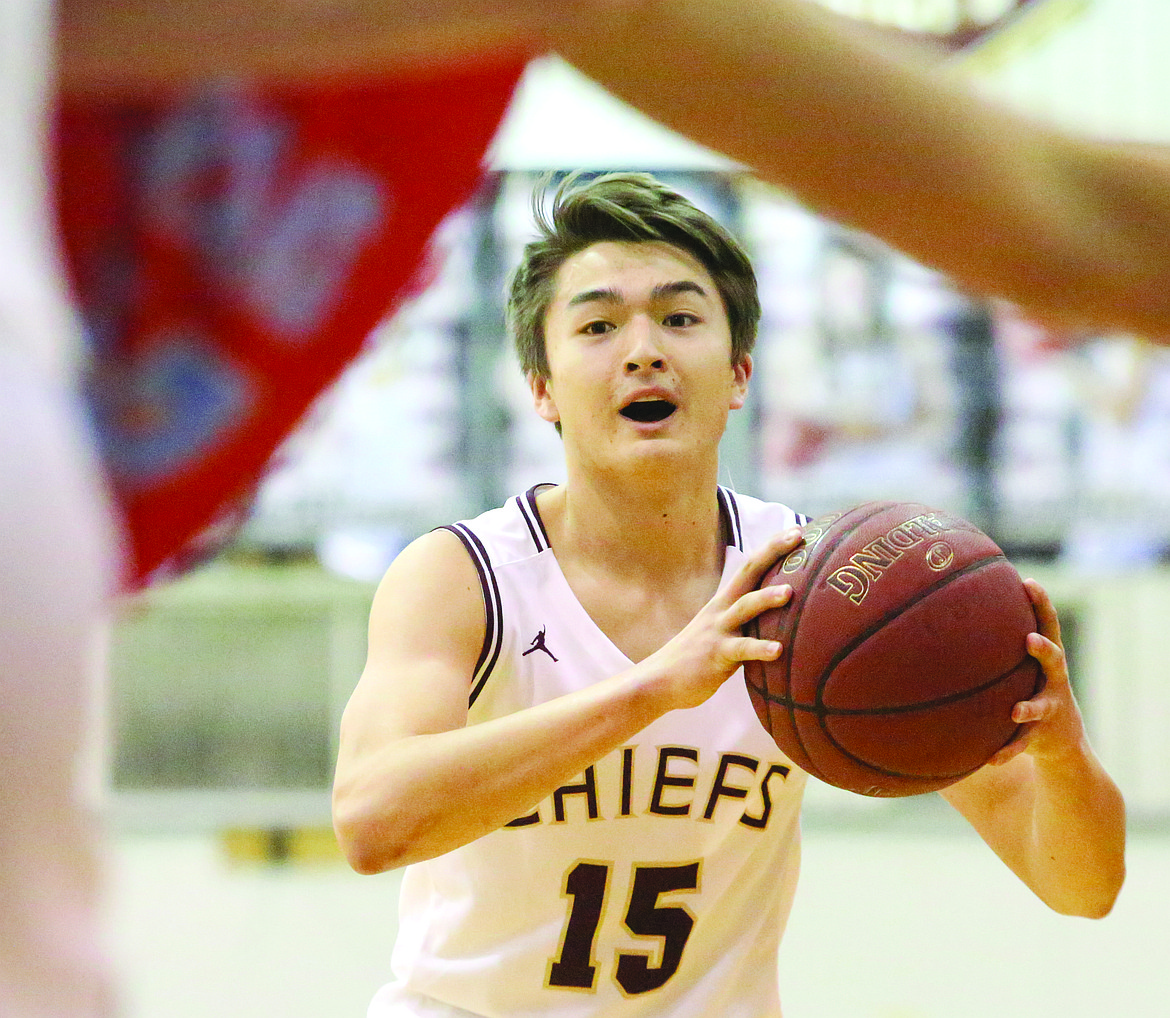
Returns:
<point x="650" y="530"/>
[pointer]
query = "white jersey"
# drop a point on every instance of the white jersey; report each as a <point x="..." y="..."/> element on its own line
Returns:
<point x="658" y="882"/>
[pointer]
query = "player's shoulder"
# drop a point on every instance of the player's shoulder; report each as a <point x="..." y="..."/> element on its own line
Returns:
<point x="433" y="564"/>
<point x="470" y="550"/>
<point x="512" y="532"/>
<point x="754" y="520"/>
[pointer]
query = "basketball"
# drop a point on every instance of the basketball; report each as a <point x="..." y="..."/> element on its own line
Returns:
<point x="904" y="650"/>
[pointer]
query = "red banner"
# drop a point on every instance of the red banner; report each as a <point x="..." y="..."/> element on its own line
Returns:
<point x="231" y="251"/>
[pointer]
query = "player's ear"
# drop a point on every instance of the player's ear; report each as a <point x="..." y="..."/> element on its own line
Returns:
<point x="542" y="397"/>
<point x="741" y="375"/>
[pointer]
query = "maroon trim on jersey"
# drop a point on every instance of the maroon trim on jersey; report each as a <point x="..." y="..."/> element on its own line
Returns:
<point x="493" y="632"/>
<point x="729" y="511"/>
<point x="531" y="514"/>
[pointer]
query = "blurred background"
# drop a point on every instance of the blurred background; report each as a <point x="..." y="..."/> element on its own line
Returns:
<point x="875" y="378"/>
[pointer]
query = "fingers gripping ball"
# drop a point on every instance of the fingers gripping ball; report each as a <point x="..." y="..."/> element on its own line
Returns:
<point x="904" y="650"/>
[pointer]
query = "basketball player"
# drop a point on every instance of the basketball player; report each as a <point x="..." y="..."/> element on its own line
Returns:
<point x="1077" y="232"/>
<point x="595" y="820"/>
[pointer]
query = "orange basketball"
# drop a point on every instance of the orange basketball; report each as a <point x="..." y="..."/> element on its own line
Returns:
<point x="904" y="650"/>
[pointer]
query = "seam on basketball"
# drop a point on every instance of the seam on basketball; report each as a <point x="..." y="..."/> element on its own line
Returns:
<point x="909" y="708"/>
<point x="816" y="566"/>
<point x="910" y="776"/>
<point x="940" y="584"/>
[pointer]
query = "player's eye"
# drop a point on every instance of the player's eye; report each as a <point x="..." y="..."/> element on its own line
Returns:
<point x="680" y="320"/>
<point x="597" y="328"/>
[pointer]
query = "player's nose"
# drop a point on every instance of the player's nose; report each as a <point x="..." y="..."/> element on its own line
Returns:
<point x="645" y="350"/>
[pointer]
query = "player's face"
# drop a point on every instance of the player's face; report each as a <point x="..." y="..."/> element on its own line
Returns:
<point x="639" y="353"/>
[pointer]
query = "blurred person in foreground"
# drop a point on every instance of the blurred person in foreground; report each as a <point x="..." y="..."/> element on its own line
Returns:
<point x="1076" y="232"/>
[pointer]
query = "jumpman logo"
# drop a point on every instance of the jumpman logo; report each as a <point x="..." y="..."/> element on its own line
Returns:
<point x="538" y="644"/>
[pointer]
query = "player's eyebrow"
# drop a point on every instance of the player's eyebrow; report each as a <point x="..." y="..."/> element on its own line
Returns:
<point x="603" y="296"/>
<point x="608" y="295"/>
<point x="682" y="286"/>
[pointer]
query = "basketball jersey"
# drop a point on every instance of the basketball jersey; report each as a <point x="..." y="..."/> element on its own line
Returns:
<point x="657" y="882"/>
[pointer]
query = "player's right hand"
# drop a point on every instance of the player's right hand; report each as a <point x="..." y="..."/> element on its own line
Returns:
<point x="711" y="648"/>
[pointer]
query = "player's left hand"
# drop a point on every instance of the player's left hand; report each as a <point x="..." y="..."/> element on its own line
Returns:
<point x="1050" y="722"/>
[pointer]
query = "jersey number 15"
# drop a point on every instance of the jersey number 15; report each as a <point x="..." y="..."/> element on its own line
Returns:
<point x="587" y="883"/>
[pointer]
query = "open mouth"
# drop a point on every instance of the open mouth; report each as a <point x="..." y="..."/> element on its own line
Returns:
<point x="649" y="411"/>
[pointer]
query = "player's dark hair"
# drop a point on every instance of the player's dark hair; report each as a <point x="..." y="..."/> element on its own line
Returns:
<point x="623" y="207"/>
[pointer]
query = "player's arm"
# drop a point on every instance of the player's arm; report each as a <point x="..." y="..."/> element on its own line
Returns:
<point x="1046" y="805"/>
<point x="413" y="780"/>
<point x="1077" y="232"/>
<point x="128" y="46"/>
